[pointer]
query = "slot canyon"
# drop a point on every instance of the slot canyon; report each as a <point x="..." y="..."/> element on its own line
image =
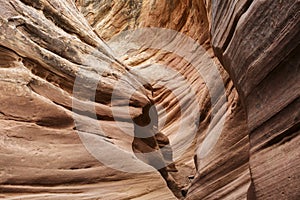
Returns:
<point x="147" y="99"/>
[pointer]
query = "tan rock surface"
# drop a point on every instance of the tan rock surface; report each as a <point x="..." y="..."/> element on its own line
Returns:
<point x="247" y="52"/>
<point x="45" y="45"/>
<point x="262" y="57"/>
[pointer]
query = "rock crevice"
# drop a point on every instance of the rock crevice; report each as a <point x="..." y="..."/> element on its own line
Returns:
<point x="74" y="78"/>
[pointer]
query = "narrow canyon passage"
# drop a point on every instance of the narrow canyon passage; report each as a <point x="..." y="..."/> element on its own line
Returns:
<point x="78" y="77"/>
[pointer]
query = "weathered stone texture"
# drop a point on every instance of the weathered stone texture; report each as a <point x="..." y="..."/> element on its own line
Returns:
<point x="46" y="44"/>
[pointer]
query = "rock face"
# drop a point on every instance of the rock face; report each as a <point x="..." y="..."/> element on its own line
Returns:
<point x="46" y="48"/>
<point x="259" y="47"/>
<point x="257" y="43"/>
<point x="224" y="81"/>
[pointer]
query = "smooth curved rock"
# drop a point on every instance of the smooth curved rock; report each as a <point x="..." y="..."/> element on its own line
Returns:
<point x="262" y="57"/>
<point x="239" y="117"/>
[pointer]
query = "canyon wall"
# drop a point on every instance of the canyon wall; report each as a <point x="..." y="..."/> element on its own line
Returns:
<point x="225" y="82"/>
<point x="258" y="44"/>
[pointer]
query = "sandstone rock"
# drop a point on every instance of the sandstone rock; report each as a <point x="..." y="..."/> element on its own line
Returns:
<point x="46" y="46"/>
<point x="70" y="67"/>
<point x="261" y="56"/>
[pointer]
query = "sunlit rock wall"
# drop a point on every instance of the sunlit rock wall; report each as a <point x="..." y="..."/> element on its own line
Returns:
<point x="239" y="115"/>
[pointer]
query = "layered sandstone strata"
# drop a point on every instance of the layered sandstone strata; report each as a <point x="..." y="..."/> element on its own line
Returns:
<point x="244" y="142"/>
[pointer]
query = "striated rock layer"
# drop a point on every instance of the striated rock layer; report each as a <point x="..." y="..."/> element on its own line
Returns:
<point x="70" y="67"/>
<point x="46" y="47"/>
<point x="258" y="44"/>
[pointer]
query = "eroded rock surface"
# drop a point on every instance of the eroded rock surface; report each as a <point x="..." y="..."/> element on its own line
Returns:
<point x="262" y="57"/>
<point x="240" y="115"/>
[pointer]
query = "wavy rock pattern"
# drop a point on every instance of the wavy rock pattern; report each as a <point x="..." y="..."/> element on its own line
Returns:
<point x="261" y="56"/>
<point x="47" y="44"/>
<point x="228" y="163"/>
